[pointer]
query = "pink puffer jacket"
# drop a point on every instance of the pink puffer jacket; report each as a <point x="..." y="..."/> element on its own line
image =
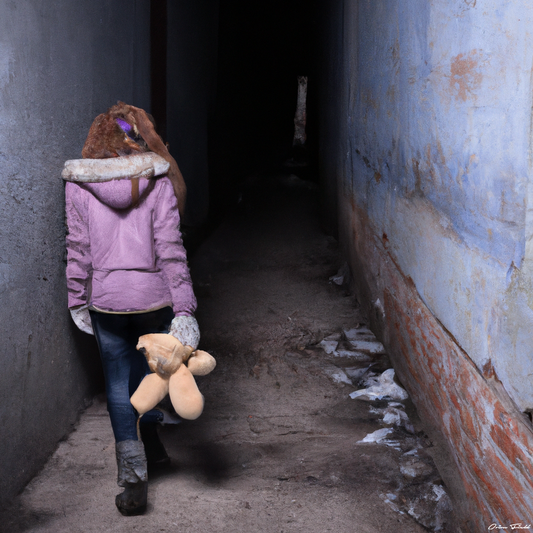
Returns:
<point x="123" y="258"/>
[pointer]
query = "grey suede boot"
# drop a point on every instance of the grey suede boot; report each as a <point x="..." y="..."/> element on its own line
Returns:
<point x="133" y="476"/>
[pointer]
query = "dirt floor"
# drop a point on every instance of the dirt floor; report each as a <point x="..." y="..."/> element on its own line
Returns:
<point x="278" y="448"/>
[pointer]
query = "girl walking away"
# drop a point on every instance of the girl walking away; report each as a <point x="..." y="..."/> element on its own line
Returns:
<point x="127" y="276"/>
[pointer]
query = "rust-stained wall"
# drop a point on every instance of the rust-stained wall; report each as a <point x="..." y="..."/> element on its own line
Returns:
<point x="431" y="147"/>
<point x="490" y="441"/>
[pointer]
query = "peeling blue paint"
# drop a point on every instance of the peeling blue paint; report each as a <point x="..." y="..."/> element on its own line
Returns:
<point x="439" y="98"/>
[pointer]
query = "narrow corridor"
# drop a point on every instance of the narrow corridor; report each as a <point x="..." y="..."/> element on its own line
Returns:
<point x="418" y="135"/>
<point x="278" y="446"/>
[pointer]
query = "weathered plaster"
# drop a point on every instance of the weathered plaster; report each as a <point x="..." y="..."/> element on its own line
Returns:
<point x="433" y="145"/>
<point x="489" y="440"/>
<point x="440" y="143"/>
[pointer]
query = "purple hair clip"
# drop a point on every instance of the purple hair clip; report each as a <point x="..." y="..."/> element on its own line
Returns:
<point x="124" y="126"/>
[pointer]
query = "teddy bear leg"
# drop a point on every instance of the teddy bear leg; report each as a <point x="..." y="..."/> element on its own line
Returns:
<point x="133" y="476"/>
<point x="187" y="400"/>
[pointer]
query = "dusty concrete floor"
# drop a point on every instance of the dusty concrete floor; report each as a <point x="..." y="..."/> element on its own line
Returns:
<point x="277" y="448"/>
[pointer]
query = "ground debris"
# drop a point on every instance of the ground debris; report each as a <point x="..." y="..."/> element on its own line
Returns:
<point x="415" y="469"/>
<point x="419" y="492"/>
<point x="428" y="504"/>
<point x="381" y="387"/>
<point x="342" y="276"/>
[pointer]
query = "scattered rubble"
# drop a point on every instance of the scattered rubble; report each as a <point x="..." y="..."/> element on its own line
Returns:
<point x="337" y="375"/>
<point x="422" y="494"/>
<point x="394" y="414"/>
<point x="381" y="387"/>
<point x="342" y="276"/>
<point x="378" y="436"/>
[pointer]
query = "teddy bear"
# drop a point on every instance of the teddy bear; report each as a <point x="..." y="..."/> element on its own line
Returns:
<point x="173" y="369"/>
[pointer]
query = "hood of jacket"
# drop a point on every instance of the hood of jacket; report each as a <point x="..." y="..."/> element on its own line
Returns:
<point x="117" y="194"/>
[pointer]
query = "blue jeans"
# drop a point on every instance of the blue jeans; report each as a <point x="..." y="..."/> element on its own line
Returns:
<point x="124" y="366"/>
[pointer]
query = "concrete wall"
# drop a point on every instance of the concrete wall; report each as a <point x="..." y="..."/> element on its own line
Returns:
<point x="61" y="63"/>
<point x="432" y="153"/>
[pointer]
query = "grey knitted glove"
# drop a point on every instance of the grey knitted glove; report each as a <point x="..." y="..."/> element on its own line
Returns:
<point x="82" y="319"/>
<point x="186" y="330"/>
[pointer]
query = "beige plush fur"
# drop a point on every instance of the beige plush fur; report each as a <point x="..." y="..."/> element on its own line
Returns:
<point x="149" y="393"/>
<point x="174" y="367"/>
<point x="187" y="400"/>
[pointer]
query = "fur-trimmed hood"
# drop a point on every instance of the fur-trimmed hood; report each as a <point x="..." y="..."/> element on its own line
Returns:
<point x="118" y="193"/>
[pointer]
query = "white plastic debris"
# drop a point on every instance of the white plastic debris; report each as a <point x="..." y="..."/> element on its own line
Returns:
<point x="392" y="443"/>
<point x="371" y="379"/>
<point x="351" y="354"/>
<point x="356" y="373"/>
<point x="329" y="346"/>
<point x="380" y="437"/>
<point x="414" y="468"/>
<point x="377" y="436"/>
<point x="361" y="338"/>
<point x="356" y="333"/>
<point x="373" y="347"/>
<point x="338" y="376"/>
<point x="412" y="452"/>
<point x="439" y="492"/>
<point x="389" y="499"/>
<point x="340" y="277"/>
<point x="396" y="416"/>
<point x="430" y="507"/>
<point x="385" y="388"/>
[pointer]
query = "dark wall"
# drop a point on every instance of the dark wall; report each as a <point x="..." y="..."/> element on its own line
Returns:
<point x="192" y="34"/>
<point x="331" y="89"/>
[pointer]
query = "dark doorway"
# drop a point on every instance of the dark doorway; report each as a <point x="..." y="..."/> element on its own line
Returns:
<point x="262" y="49"/>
